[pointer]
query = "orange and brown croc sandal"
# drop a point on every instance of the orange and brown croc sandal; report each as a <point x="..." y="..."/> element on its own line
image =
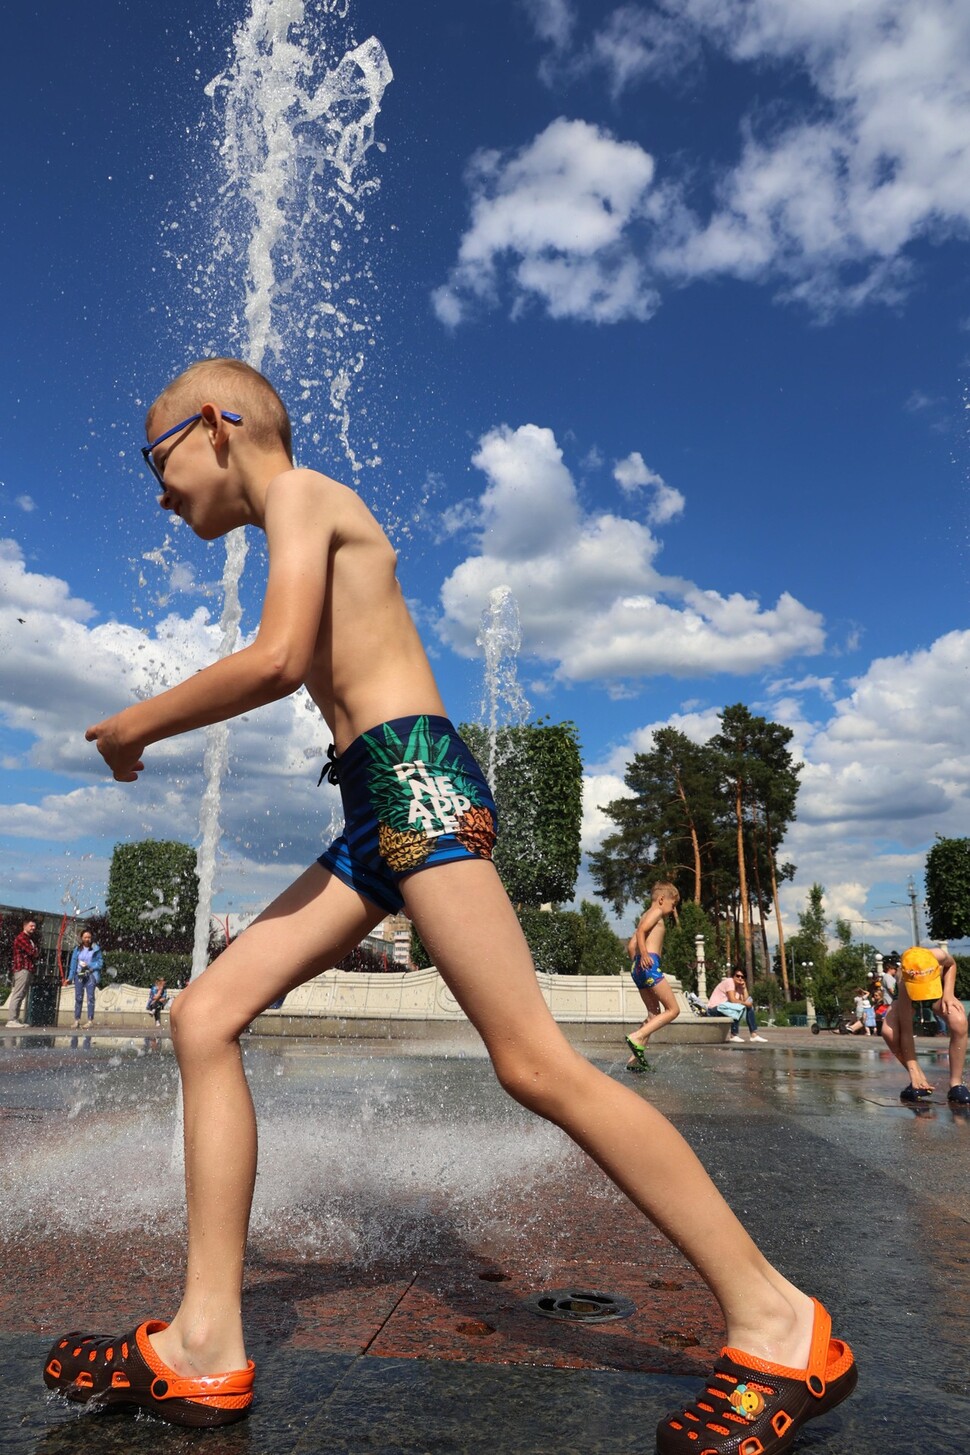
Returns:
<point x="107" y="1370"/>
<point x="753" y="1407"/>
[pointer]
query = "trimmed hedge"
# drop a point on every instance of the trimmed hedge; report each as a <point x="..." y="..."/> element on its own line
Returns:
<point x="143" y="967"/>
<point x="561" y="941"/>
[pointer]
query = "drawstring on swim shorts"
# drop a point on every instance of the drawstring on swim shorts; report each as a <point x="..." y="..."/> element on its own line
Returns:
<point x="330" y="768"/>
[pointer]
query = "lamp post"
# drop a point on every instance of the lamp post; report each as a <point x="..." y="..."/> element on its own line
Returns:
<point x="701" y="967"/>
<point x="810" y="1014"/>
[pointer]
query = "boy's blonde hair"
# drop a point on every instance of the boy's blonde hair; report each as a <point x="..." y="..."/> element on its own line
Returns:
<point x="669" y="890"/>
<point x="233" y="385"/>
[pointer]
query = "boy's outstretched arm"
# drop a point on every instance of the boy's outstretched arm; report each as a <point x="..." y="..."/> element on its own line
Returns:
<point x="299" y="532"/>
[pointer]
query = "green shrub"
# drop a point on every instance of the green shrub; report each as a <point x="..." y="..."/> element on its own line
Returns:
<point x="153" y="890"/>
<point x="143" y="967"/>
<point x="963" y="976"/>
<point x="553" y="938"/>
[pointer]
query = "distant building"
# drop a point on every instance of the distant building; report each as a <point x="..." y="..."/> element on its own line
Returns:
<point x="391" y="941"/>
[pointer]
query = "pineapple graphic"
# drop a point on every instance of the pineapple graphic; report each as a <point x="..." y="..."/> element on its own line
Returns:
<point x="421" y="790"/>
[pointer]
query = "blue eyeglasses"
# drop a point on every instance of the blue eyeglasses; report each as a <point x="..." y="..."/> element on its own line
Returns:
<point x="192" y="419"/>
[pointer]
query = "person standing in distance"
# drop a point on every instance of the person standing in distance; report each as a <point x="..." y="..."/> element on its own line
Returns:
<point x="25" y="952"/>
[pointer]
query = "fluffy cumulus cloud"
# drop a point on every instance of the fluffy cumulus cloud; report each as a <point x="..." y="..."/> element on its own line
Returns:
<point x="824" y="196"/>
<point x="61" y="671"/>
<point x="591" y="599"/>
<point x="555" y="223"/>
<point x="633" y="474"/>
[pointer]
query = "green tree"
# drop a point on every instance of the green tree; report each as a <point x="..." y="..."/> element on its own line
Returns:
<point x="665" y="829"/>
<point x="737" y="747"/>
<point x="153" y="890"/>
<point x="948" y="889"/>
<point x="775" y="784"/>
<point x="808" y="949"/>
<point x="539" y="793"/>
<point x="601" y="951"/>
<point x="846" y="968"/>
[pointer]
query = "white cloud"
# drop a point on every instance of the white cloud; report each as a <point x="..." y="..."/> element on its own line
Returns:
<point x="826" y="195"/>
<point x="894" y="752"/>
<point x="552" y="20"/>
<point x="633" y="474"/>
<point x="636" y="44"/>
<point x="823" y="685"/>
<point x="562" y="212"/>
<point x="589" y="595"/>
<point x="26" y="503"/>
<point x="599" y="789"/>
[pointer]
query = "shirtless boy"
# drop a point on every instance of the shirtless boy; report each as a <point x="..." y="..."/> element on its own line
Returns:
<point x="644" y="948"/>
<point x="334" y="619"/>
<point x="931" y="976"/>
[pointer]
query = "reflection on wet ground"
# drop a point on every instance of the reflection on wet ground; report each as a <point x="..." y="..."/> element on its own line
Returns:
<point x="406" y="1211"/>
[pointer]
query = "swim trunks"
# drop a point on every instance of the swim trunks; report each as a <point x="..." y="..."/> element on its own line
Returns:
<point x="413" y="798"/>
<point x="646" y="976"/>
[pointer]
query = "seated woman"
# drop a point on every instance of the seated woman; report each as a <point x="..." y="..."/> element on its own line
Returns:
<point x="730" y="998"/>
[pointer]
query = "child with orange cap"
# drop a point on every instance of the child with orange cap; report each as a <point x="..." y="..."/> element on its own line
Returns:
<point x="928" y="976"/>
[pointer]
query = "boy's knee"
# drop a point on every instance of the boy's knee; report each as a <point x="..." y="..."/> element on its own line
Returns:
<point x="536" y="1079"/>
<point x="195" y="1023"/>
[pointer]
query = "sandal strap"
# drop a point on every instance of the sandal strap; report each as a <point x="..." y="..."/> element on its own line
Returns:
<point x="211" y="1386"/>
<point x="818" y="1357"/>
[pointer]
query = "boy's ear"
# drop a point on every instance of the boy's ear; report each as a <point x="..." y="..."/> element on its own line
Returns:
<point x="214" y="424"/>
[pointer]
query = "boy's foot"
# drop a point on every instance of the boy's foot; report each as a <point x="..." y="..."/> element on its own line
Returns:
<point x="750" y="1403"/>
<point x="916" y="1093"/>
<point x="89" y="1025"/>
<point x="758" y="1038"/>
<point x="958" y="1096"/>
<point x="76" y="1026"/>
<point x="14" y="1023"/>
<point x="735" y="1041"/>
<point x="639" y="1062"/>
<point x="126" y="1370"/>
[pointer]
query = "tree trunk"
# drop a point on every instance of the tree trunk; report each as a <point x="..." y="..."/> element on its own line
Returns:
<point x="786" y="989"/>
<point x="760" y="895"/>
<point x="743" y="884"/>
<point x="694" y="841"/>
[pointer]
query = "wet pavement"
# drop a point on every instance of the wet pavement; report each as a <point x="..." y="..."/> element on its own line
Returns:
<point x="407" y="1214"/>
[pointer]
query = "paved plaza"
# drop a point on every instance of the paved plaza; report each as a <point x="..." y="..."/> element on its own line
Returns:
<point x="409" y="1217"/>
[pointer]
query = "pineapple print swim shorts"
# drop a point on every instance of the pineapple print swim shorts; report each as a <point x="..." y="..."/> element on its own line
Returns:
<point x="413" y="798"/>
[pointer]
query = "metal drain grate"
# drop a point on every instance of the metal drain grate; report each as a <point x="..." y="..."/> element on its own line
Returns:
<point x="580" y="1305"/>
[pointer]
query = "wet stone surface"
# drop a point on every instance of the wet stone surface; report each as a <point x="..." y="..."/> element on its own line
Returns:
<point x="406" y="1210"/>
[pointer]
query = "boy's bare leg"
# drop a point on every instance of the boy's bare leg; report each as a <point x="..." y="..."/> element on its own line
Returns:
<point x="311" y="926"/>
<point x="956" y="1022"/>
<point x="662" y="1007"/>
<point x="636" y="1146"/>
<point x="897" y="1032"/>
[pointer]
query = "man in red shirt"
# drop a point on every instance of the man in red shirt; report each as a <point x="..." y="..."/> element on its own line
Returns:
<point x="25" y="953"/>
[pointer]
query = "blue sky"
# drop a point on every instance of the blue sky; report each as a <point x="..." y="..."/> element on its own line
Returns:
<point x="663" y="321"/>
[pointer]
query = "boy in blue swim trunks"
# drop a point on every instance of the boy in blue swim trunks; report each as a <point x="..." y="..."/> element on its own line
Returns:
<point x="420" y="828"/>
<point x="644" y="948"/>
